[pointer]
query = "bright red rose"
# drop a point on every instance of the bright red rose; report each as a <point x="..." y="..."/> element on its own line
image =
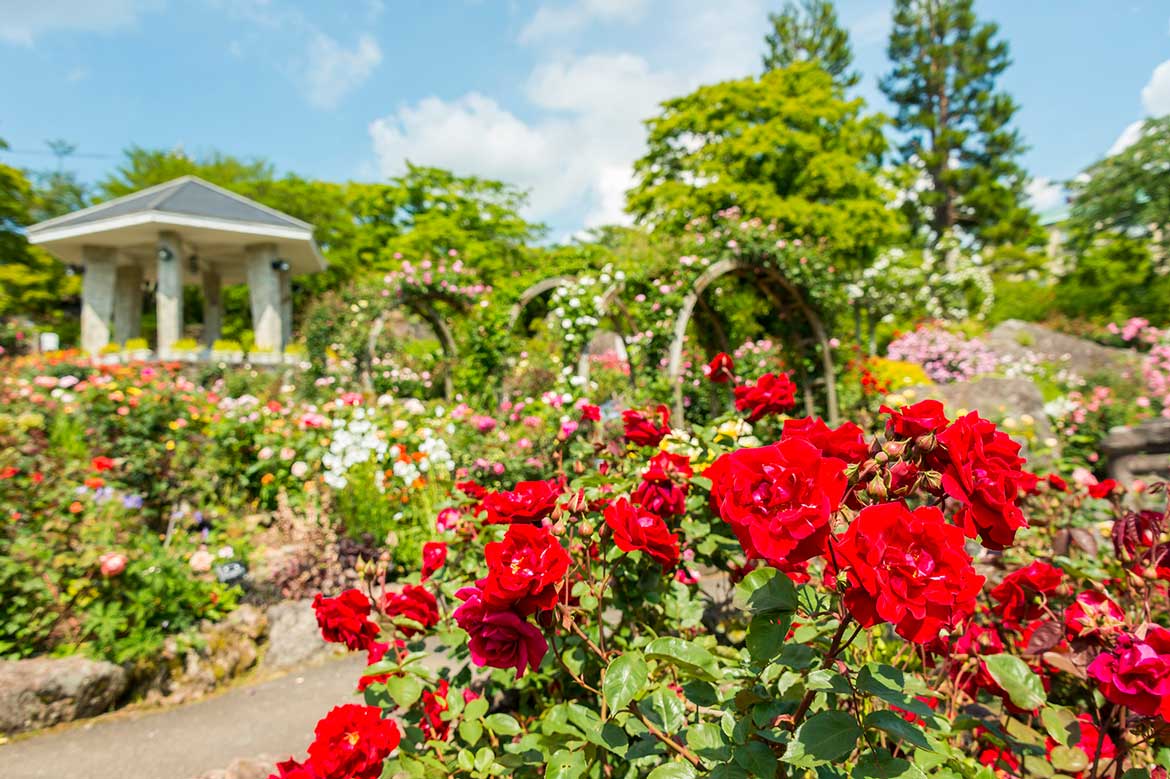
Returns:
<point x="771" y="394"/>
<point x="1021" y="592"/>
<point x="524" y="570"/>
<point x="925" y="417"/>
<point x="778" y="499"/>
<point x="590" y="413"/>
<point x="434" y="727"/>
<point x="291" y="769"/>
<point x="434" y="556"/>
<point x="472" y="489"/>
<point x="637" y="530"/>
<point x="982" y="470"/>
<point x="498" y="639"/>
<point x="908" y="568"/>
<point x="414" y="603"/>
<point x="642" y="431"/>
<point x="345" y="619"/>
<point x="101" y="463"/>
<point x="1103" y="489"/>
<point x="664" y="484"/>
<point x="1091" y="742"/>
<point x="1136" y="672"/>
<point x="528" y="501"/>
<point x="721" y="369"/>
<point x="1093" y="615"/>
<point x="846" y="442"/>
<point x="353" y="741"/>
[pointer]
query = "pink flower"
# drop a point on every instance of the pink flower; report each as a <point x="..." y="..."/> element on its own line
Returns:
<point x="112" y="564"/>
<point x="351" y="399"/>
<point x="448" y="518"/>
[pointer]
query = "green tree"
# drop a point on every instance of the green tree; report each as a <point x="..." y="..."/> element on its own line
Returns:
<point x="809" y="32"/>
<point x="956" y="126"/>
<point x="1127" y="193"/>
<point x="1115" y="278"/>
<point x="786" y="146"/>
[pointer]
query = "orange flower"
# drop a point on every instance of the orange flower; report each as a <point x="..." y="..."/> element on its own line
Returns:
<point x="94" y="482"/>
<point x="75" y="507"/>
<point x="267" y="478"/>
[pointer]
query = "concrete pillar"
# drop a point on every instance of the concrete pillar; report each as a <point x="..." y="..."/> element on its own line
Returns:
<point x="128" y="303"/>
<point x="169" y="294"/>
<point x="264" y="291"/>
<point x="286" y="308"/>
<point x="212" y="306"/>
<point x="97" y="297"/>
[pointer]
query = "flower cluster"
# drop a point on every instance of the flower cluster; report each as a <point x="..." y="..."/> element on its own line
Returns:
<point x="945" y="356"/>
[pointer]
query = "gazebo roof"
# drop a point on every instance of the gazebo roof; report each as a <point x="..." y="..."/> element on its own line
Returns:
<point x="213" y="222"/>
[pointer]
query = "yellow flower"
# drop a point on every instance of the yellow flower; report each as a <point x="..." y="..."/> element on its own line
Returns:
<point x="170" y="446"/>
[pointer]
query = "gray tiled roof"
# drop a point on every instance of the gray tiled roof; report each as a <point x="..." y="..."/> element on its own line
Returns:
<point x="188" y="196"/>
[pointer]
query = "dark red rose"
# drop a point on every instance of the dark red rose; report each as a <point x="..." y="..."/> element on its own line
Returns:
<point x="524" y="570"/>
<point x="345" y="619"/>
<point x="498" y="639"/>
<point x="778" y="499"/>
<point x="1056" y="483"/>
<point x="637" y="530"/>
<point x="1021" y="592"/>
<point x="1093" y="615"/>
<point x="664" y="484"/>
<point x="1103" y="489"/>
<point x="966" y="668"/>
<point x="1136" y="672"/>
<point x="642" y="430"/>
<point x="434" y="556"/>
<point x="909" y="568"/>
<point x="528" y="501"/>
<point x="771" y="394"/>
<point x="414" y="603"/>
<point x="721" y="369"/>
<point x="846" y="442"/>
<point x="1094" y="745"/>
<point x="590" y="413"/>
<point x="982" y="470"/>
<point x="925" y="417"/>
<point x="353" y="741"/>
<point x="434" y="727"/>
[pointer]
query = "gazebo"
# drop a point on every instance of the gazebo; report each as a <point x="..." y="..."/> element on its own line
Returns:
<point x="185" y="231"/>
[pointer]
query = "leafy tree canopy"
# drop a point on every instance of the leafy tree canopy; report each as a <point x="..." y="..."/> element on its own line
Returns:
<point x="786" y="146"/>
<point x="809" y="32"/>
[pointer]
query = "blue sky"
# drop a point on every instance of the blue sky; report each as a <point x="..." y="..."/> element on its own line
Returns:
<point x="548" y="94"/>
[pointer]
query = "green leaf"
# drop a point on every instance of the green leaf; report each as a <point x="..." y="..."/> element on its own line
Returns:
<point x="823" y="738"/>
<point x="880" y="764"/>
<point x="707" y="740"/>
<point x="625" y="679"/>
<point x="405" y="690"/>
<point x="564" y="764"/>
<point x="470" y="730"/>
<point x="766" y="590"/>
<point x="667" y="708"/>
<point x="757" y="759"/>
<point x="1062" y="725"/>
<point x="1017" y="679"/>
<point x="765" y="638"/>
<point x="895" y="687"/>
<point x="476" y="709"/>
<point x="675" y="770"/>
<point x="502" y="724"/>
<point x="687" y="656"/>
<point x="483" y="759"/>
<point x="897" y="727"/>
<point x="1069" y="760"/>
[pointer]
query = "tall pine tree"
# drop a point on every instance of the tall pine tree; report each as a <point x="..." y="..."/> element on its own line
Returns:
<point x="957" y="128"/>
<point x="810" y="32"/>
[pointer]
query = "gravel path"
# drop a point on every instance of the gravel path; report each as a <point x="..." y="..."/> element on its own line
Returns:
<point x="274" y="717"/>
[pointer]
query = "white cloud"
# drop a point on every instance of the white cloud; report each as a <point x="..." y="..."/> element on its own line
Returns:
<point x="554" y="21"/>
<point x="1128" y="137"/>
<point x="1156" y="93"/>
<point x="1045" y="194"/>
<point x="332" y="71"/>
<point x="23" y="21"/>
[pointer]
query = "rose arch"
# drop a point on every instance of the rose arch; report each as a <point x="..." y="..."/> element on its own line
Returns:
<point x="782" y="293"/>
<point x="422" y="306"/>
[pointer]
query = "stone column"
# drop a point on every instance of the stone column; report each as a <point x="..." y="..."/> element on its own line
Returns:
<point x="286" y="308"/>
<point x="212" y="306"/>
<point x="128" y="303"/>
<point x="169" y="294"/>
<point x="264" y="291"/>
<point x="97" y="297"/>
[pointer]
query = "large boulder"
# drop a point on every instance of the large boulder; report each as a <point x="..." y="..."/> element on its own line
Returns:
<point x="293" y="636"/>
<point x="226" y="650"/>
<point x="1029" y="342"/>
<point x="1139" y="452"/>
<point x="45" y="691"/>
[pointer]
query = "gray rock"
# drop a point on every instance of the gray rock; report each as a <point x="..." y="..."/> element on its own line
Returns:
<point x="45" y="691"/>
<point x="226" y="650"/>
<point x="1027" y="341"/>
<point x="293" y="636"/>
<point x="1139" y="452"/>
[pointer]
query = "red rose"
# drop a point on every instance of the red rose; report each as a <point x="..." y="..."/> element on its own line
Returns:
<point x="664" y="484"/>
<point x="374" y="654"/>
<point x="982" y="470"/>
<point x="771" y="394"/>
<point x="778" y="499"/>
<point x="908" y="568"/>
<point x="1136" y="672"/>
<point x="925" y="417"/>
<point x="524" y="570"/>
<point x="590" y="413"/>
<point x="1056" y="483"/>
<point x="434" y="556"/>
<point x="472" y="489"/>
<point x="1020" y="591"/>
<point x="412" y="602"/>
<point x="353" y="741"/>
<point x="291" y="769"/>
<point x="528" y="501"/>
<point x="846" y="442"/>
<point x="1103" y="489"/>
<point x="102" y="463"/>
<point x="973" y="643"/>
<point x="1093" y="615"/>
<point x="434" y="727"/>
<point x="498" y="639"/>
<point x="641" y="431"/>
<point x="344" y="619"/>
<point x="637" y="530"/>
<point x="1092" y="742"/>
<point x="721" y="369"/>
